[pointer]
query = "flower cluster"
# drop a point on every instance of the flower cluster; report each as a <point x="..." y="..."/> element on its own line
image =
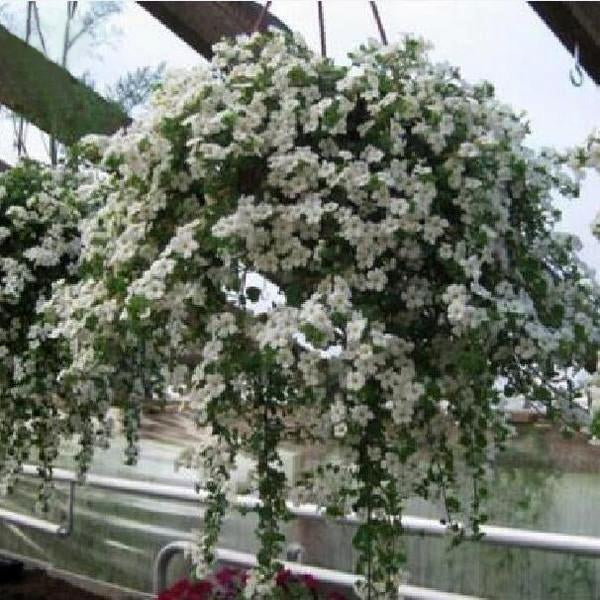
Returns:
<point x="39" y="245"/>
<point x="587" y="156"/>
<point x="347" y="257"/>
<point x="233" y="584"/>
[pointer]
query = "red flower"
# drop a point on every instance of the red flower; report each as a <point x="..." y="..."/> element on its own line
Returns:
<point x="185" y="590"/>
<point x="227" y="582"/>
<point x="200" y="591"/>
<point x="228" y="577"/>
<point x="310" y="582"/>
<point x="283" y="577"/>
<point x="176" y="591"/>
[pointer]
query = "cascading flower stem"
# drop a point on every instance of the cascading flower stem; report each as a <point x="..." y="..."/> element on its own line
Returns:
<point x="271" y="478"/>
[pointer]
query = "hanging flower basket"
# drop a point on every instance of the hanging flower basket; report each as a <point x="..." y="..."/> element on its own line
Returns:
<point x="360" y="258"/>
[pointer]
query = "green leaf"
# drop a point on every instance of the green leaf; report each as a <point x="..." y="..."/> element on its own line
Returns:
<point x="253" y="293"/>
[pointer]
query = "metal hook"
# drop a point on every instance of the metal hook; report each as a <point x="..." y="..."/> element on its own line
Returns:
<point x="576" y="73"/>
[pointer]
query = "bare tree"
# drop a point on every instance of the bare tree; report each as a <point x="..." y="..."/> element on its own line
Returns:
<point x="134" y="88"/>
<point x="89" y="24"/>
<point x="79" y="25"/>
<point x="83" y="22"/>
<point x="19" y="123"/>
<point x="5" y="15"/>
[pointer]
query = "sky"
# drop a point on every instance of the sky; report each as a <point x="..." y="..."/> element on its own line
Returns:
<point x="502" y="41"/>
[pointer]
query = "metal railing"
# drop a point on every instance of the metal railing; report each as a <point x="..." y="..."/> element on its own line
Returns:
<point x="489" y="534"/>
<point x="339" y="579"/>
<point x="59" y="529"/>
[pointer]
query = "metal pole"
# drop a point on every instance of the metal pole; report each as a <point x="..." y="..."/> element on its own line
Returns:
<point x="31" y="522"/>
<point x="59" y="529"/>
<point x="162" y="560"/>
<point x="67" y="529"/>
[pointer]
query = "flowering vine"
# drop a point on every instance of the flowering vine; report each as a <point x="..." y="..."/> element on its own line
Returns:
<point x="350" y="257"/>
<point x="39" y="244"/>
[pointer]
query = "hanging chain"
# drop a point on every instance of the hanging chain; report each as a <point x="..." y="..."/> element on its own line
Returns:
<point x="379" y="23"/>
<point x="259" y="21"/>
<point x="322" y="29"/>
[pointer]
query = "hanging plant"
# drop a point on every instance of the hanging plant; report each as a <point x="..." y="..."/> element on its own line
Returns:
<point x="347" y="257"/>
<point x="39" y="245"/>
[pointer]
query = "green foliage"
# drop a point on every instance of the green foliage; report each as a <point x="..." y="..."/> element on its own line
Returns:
<point x="134" y="88"/>
<point x="595" y="425"/>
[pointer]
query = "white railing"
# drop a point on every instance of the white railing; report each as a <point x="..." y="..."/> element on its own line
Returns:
<point x="489" y="534"/>
<point x="340" y="579"/>
<point x="59" y="529"/>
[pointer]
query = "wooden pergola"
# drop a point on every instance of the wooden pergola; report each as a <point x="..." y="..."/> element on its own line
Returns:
<point x="52" y="99"/>
<point x="48" y="96"/>
<point x="201" y="24"/>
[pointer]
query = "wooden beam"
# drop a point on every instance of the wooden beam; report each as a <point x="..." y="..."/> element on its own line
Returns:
<point x="575" y="23"/>
<point x="49" y="96"/>
<point x="201" y="24"/>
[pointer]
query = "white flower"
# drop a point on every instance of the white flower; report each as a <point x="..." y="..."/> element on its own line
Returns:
<point x="222" y="325"/>
<point x="354" y="329"/>
<point x="340" y="430"/>
<point x="183" y="242"/>
<point x="361" y="414"/>
<point x="212" y="350"/>
<point x="372" y="154"/>
<point x="337" y="412"/>
<point x="355" y="381"/>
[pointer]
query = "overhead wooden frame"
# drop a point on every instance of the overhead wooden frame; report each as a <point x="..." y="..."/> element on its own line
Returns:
<point x="201" y="24"/>
<point x="575" y="24"/>
<point x="48" y="96"/>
